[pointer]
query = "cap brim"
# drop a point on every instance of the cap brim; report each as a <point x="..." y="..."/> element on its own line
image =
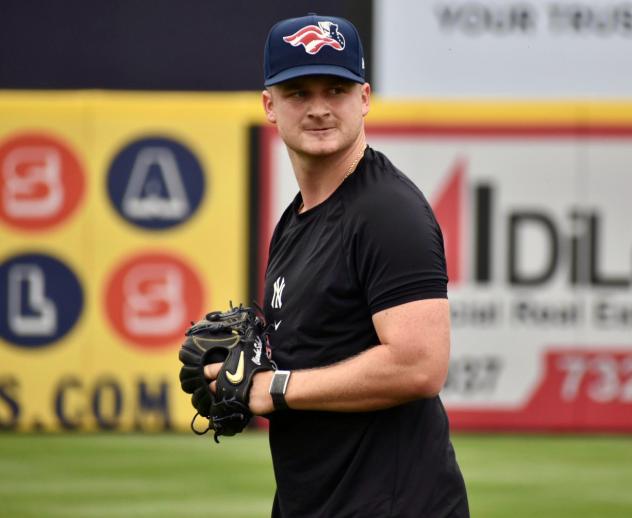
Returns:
<point x="312" y="70"/>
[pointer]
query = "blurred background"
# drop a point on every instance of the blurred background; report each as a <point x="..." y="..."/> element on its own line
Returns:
<point x="139" y="186"/>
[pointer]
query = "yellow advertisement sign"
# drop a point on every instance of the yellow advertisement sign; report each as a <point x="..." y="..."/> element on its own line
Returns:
<point x="122" y="218"/>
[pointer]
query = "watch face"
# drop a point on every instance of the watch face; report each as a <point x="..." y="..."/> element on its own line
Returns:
<point x="278" y="388"/>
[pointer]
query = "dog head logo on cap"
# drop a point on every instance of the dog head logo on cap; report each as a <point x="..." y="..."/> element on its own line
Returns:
<point x="313" y="45"/>
<point x="315" y="37"/>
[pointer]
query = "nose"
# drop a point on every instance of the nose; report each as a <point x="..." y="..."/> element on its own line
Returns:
<point x="319" y="107"/>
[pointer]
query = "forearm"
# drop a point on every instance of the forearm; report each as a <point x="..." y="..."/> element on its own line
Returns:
<point x="375" y="379"/>
<point x="410" y="363"/>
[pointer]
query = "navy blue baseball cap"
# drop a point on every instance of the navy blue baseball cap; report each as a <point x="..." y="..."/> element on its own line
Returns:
<point x="312" y="45"/>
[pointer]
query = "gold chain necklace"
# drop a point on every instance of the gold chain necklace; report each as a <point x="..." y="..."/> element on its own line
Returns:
<point x="353" y="165"/>
<point x="351" y="169"/>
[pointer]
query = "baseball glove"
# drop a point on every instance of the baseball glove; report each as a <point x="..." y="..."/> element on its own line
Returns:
<point x="234" y="338"/>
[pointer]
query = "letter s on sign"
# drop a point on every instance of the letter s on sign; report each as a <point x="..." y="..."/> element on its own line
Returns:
<point x="10" y="414"/>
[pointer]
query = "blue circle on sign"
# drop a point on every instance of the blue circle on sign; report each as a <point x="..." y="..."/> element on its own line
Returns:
<point x="155" y="183"/>
<point x="40" y="300"/>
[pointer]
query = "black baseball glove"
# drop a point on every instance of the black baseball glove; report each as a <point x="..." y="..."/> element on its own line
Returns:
<point x="234" y="338"/>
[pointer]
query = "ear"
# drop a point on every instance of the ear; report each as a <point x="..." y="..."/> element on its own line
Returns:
<point x="268" y="107"/>
<point x="366" y="98"/>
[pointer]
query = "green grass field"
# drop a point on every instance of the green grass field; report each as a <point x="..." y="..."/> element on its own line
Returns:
<point x="185" y="475"/>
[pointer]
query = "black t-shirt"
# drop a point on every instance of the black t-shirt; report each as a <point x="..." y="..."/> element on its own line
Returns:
<point x="373" y="244"/>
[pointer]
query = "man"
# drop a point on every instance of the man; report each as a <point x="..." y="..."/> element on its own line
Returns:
<point x="356" y="291"/>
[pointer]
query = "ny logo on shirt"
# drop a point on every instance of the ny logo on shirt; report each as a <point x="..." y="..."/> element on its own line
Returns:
<point x="278" y="286"/>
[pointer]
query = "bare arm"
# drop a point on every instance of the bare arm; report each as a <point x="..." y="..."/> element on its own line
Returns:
<point x="411" y="362"/>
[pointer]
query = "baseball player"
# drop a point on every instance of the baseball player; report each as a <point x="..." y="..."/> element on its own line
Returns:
<point x="356" y="297"/>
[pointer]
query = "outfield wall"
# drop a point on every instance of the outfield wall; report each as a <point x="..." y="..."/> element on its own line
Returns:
<point x="125" y="216"/>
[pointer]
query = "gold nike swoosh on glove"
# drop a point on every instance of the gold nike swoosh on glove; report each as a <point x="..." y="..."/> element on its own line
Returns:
<point x="237" y="377"/>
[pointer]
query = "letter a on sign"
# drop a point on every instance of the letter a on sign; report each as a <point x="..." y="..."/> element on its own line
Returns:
<point x="155" y="188"/>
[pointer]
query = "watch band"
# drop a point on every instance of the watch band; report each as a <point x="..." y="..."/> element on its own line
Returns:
<point x="278" y="386"/>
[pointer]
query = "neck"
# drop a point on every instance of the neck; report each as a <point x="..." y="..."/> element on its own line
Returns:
<point x="319" y="176"/>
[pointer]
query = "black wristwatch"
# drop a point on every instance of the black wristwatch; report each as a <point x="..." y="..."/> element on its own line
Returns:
<point x="278" y="386"/>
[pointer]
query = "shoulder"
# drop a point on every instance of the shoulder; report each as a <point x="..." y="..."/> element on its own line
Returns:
<point x="381" y="193"/>
<point x="394" y="243"/>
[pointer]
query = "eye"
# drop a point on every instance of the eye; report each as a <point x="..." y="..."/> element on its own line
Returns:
<point x="338" y="89"/>
<point x="296" y="94"/>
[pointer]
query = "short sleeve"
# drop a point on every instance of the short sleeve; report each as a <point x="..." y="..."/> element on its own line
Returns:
<point x="396" y="247"/>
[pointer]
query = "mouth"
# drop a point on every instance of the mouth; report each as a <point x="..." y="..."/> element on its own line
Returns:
<point x="319" y="131"/>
